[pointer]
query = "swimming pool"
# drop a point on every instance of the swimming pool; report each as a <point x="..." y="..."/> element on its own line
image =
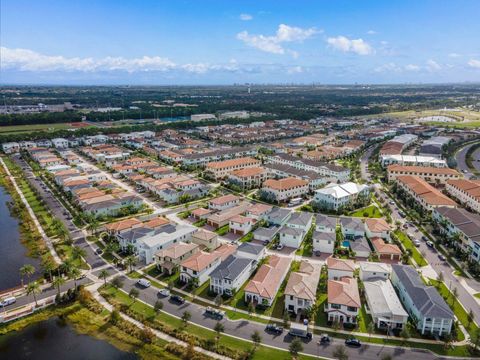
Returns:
<point x="346" y="243"/>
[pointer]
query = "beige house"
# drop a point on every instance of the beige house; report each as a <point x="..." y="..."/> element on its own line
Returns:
<point x="466" y="191"/>
<point x="286" y="188"/>
<point x="301" y="289"/>
<point x="169" y="259"/>
<point x="205" y="239"/>
<point x="428" y="173"/>
<point x="248" y="178"/>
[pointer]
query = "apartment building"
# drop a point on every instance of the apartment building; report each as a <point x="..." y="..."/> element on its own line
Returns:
<point x="334" y="196"/>
<point x="248" y="178"/>
<point x="412" y="160"/>
<point x="285" y="189"/>
<point x="221" y="169"/>
<point x="467" y="192"/>
<point x="424" y="193"/>
<point x="428" y="173"/>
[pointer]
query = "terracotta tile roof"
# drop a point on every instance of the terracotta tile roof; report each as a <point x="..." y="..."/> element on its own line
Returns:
<point x="259" y="209"/>
<point x="177" y="250"/>
<point x="304" y="282"/>
<point x="344" y="292"/>
<point x="123" y="224"/>
<point x="202" y="259"/>
<point x="470" y="187"/>
<point x="156" y="222"/>
<point x="240" y="219"/>
<point x="247" y="172"/>
<point x="203" y="234"/>
<point x="284" y="184"/>
<point x="267" y="279"/>
<point x="201" y="212"/>
<point x="340" y="264"/>
<point x="377" y="225"/>
<point x="224" y="199"/>
<point x="232" y="162"/>
<point x="426" y="191"/>
<point x="382" y="247"/>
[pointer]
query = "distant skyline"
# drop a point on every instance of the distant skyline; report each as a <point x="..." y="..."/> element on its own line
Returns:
<point x="204" y="42"/>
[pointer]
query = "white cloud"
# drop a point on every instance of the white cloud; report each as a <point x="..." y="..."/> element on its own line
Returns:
<point x="432" y="65"/>
<point x="246" y="17"/>
<point x="28" y="60"/>
<point x="474" y="63"/>
<point x="357" y="46"/>
<point x="295" y="70"/>
<point x="273" y="44"/>
<point x="412" y="67"/>
<point x="454" y="55"/>
<point x="371" y="32"/>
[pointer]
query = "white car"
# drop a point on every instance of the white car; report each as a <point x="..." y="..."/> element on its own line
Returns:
<point x="8" y="301"/>
<point x="280" y="247"/>
<point x="164" y="292"/>
<point x="144" y="282"/>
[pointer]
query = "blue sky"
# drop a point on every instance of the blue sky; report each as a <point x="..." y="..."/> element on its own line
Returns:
<point x="225" y="42"/>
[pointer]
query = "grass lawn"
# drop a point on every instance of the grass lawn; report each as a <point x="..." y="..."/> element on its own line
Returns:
<point x="408" y="244"/>
<point x="455" y="305"/>
<point x="370" y="212"/>
<point x="262" y="353"/>
<point x="16" y="129"/>
<point x="321" y="316"/>
<point x="477" y="295"/>
<point x="306" y="249"/>
<point x="246" y="238"/>
<point x="222" y="230"/>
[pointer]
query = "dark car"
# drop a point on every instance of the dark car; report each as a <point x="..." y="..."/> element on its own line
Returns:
<point x="324" y="339"/>
<point x="177" y="299"/>
<point x="274" y="328"/>
<point x="353" y="342"/>
<point x="99" y="251"/>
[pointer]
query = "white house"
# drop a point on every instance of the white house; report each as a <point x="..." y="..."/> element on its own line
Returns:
<point x="377" y="228"/>
<point x="10" y="147"/>
<point x="229" y="276"/>
<point x="352" y="227"/>
<point x="343" y="303"/>
<point x="224" y="202"/>
<point x="60" y="143"/>
<point x="374" y="270"/>
<point x="241" y="225"/>
<point x="334" y="196"/>
<point x="301" y="290"/>
<point x="324" y="242"/>
<point x="251" y="251"/>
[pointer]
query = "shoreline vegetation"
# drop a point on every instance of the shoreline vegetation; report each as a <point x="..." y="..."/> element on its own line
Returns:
<point x="88" y="317"/>
<point x="29" y="235"/>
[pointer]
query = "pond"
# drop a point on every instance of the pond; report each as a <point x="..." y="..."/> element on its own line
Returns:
<point x="14" y="254"/>
<point x="56" y="339"/>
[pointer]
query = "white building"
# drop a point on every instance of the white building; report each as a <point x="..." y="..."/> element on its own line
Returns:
<point x="301" y="290"/>
<point x="231" y="274"/>
<point x="334" y="196"/>
<point x="10" y="147"/>
<point x="60" y="143"/>
<point x="374" y="270"/>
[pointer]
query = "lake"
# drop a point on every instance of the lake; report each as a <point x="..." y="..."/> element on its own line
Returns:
<point x="13" y="254"/>
<point x="56" y="339"/>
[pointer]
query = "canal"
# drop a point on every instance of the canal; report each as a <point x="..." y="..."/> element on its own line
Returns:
<point x="13" y="254"/>
<point x="56" y="339"/>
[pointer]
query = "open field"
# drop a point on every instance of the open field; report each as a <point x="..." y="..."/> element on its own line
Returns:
<point x="23" y="129"/>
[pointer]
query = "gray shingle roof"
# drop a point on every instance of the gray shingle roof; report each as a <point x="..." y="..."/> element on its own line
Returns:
<point x="231" y="268"/>
<point x="426" y="298"/>
<point x="301" y="218"/>
<point x="250" y="248"/>
<point x="327" y="221"/>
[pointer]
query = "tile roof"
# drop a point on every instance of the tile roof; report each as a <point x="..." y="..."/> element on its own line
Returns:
<point x="424" y="190"/>
<point x="344" y="292"/>
<point x="382" y="247"/>
<point x="304" y="282"/>
<point x="377" y="225"/>
<point x="268" y="277"/>
<point x="340" y="264"/>
<point x="284" y="184"/>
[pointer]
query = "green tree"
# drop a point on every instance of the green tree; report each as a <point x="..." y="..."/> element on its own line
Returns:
<point x="58" y="282"/>
<point x="475" y="339"/>
<point x="117" y="282"/>
<point x="158" y="306"/>
<point x="219" y="328"/>
<point x="78" y="253"/>
<point x="74" y="273"/>
<point x="114" y="317"/>
<point x="256" y="338"/>
<point x="33" y="288"/>
<point x="48" y="265"/>
<point x="286" y="319"/>
<point x="133" y="294"/>
<point x="370" y="329"/>
<point x="27" y="270"/>
<point x="131" y="261"/>
<point x="186" y="316"/>
<point x="295" y="347"/>
<point x="104" y="274"/>
<point x="405" y="334"/>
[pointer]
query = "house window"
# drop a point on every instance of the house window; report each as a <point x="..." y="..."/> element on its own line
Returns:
<point x="335" y="306"/>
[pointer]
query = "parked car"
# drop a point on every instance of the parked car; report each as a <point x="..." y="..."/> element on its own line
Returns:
<point x="417" y="243"/>
<point x="353" y="342"/>
<point x="324" y="339"/>
<point x="424" y="238"/>
<point x="177" y="299"/>
<point x="164" y="292"/>
<point x="430" y="244"/>
<point x="215" y="313"/>
<point x="300" y="330"/>
<point x="442" y="257"/>
<point x="8" y="301"/>
<point x="274" y="328"/>
<point x="279" y="246"/>
<point x="144" y="282"/>
<point x="99" y="251"/>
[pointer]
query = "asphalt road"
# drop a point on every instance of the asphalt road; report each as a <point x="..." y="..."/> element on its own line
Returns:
<point x="430" y="254"/>
<point x="244" y="329"/>
<point x="460" y="157"/>
<point x="59" y="211"/>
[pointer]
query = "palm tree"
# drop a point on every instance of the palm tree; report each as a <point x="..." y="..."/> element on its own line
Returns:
<point x="186" y="316"/>
<point x="48" y="265"/>
<point x="27" y="270"/>
<point x="74" y="273"/>
<point x="133" y="294"/>
<point x="131" y="261"/>
<point x="65" y="267"/>
<point x="340" y="353"/>
<point x="78" y="252"/>
<point x="34" y="289"/>
<point x="57" y="282"/>
<point x="93" y="225"/>
<point x="256" y="338"/>
<point x="295" y="347"/>
<point x="104" y="274"/>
